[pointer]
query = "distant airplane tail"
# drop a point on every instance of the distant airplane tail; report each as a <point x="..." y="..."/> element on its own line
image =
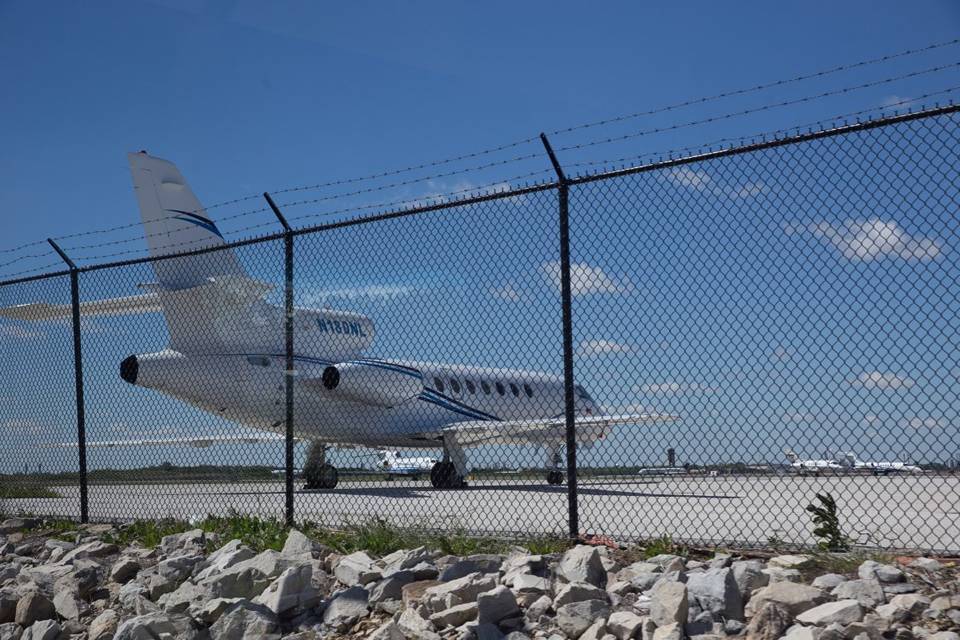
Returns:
<point x="848" y="460"/>
<point x="791" y="456"/>
<point x="175" y="221"/>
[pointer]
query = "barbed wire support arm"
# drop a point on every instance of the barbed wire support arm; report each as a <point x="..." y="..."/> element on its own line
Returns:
<point x="78" y="379"/>
<point x="288" y="351"/>
<point x="563" y="192"/>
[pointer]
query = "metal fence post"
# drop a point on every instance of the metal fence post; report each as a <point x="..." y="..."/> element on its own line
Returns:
<point x="78" y="379"/>
<point x="563" y="190"/>
<point x="288" y="349"/>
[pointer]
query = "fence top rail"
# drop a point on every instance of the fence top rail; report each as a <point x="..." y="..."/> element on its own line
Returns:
<point x="545" y="186"/>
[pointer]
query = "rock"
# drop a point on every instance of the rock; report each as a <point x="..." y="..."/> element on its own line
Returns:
<point x="897" y="588"/>
<point x="769" y="623"/>
<point x="595" y="631"/>
<point x="94" y="549"/>
<point x="404" y="559"/>
<point x="628" y="573"/>
<point x="903" y="607"/>
<point x="170" y="573"/>
<point x="391" y="588"/>
<point x="795" y="598"/>
<point x="518" y="564"/>
<point x="11" y="525"/>
<point x="779" y="574"/>
<point x="927" y="564"/>
<point x="669" y="603"/>
<point x="68" y="606"/>
<point x="715" y="591"/>
<point x="800" y="632"/>
<point x="85" y="578"/>
<point x="31" y="607"/>
<point x="625" y="624"/>
<point x="44" y="576"/>
<point x="582" y="564"/>
<point x="462" y="589"/>
<point x="667" y="562"/>
<point x="42" y="630"/>
<point x="529" y="583"/>
<point x="828" y="581"/>
<point x="620" y="588"/>
<point x="104" y="625"/>
<point x="842" y="612"/>
<point x="576" y="617"/>
<point x="790" y="562"/>
<point x="157" y="625"/>
<point x="455" y="615"/>
<point x="483" y="563"/>
<point x="882" y="572"/>
<point x="245" y="621"/>
<point x="387" y="631"/>
<point x="211" y="610"/>
<point x="733" y="627"/>
<point x="945" y="635"/>
<point x="187" y="596"/>
<point x="645" y="581"/>
<point x="222" y="559"/>
<point x="246" y="579"/>
<point x="487" y="631"/>
<point x="298" y="544"/>
<point x="497" y="604"/>
<point x="291" y="593"/>
<point x="538" y="608"/>
<point x="8" y="606"/>
<point x="749" y="575"/>
<point x="413" y="626"/>
<point x="124" y="569"/>
<point x="193" y="540"/>
<point x="577" y="592"/>
<point x="10" y="631"/>
<point x="868" y="593"/>
<point x="416" y="591"/>
<point x="346" y="607"/>
<point x="946" y="602"/>
<point x="133" y="597"/>
<point x="672" y="631"/>
<point x="356" y="569"/>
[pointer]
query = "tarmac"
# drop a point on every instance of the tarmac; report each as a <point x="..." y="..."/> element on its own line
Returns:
<point x="909" y="512"/>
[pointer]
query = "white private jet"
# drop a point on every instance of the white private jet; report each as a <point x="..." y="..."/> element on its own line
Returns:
<point x="851" y="461"/>
<point x="804" y="467"/>
<point x="226" y="356"/>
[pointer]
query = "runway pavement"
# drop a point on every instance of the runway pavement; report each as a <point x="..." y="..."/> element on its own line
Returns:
<point x="921" y="512"/>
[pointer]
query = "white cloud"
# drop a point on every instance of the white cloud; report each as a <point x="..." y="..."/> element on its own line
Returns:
<point x="506" y="292"/>
<point x="18" y="332"/>
<point x="364" y="292"/>
<point x="873" y="239"/>
<point x="673" y="388"/>
<point x="700" y="180"/>
<point x="918" y="423"/>
<point x="882" y="380"/>
<point x="585" y="279"/>
<point x="600" y="347"/>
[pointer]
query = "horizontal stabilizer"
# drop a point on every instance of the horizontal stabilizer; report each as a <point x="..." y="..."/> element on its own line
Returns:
<point x="545" y="431"/>
<point x="40" y="311"/>
<point x="199" y="442"/>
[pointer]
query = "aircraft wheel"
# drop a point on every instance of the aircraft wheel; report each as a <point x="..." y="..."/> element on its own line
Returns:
<point x="555" y="477"/>
<point x="319" y="476"/>
<point x="443" y="475"/>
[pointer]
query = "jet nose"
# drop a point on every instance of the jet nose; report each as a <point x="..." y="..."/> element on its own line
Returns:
<point x="128" y="369"/>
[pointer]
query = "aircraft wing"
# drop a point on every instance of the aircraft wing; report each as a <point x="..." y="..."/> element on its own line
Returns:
<point x="200" y="442"/>
<point x="39" y="311"/>
<point x="545" y="431"/>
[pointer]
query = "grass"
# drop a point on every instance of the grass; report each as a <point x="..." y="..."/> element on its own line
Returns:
<point x="15" y="491"/>
<point x="845" y="563"/>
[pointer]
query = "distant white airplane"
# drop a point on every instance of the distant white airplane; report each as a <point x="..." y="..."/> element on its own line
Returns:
<point x="803" y="467"/>
<point x="393" y="464"/>
<point x="226" y="356"/>
<point x="878" y="468"/>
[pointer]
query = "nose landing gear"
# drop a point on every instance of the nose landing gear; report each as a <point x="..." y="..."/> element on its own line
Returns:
<point x="317" y="473"/>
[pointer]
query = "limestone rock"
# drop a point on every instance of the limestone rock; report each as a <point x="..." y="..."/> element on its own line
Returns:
<point x="10" y="631"/>
<point x="800" y="632"/>
<point x="596" y="631"/>
<point x="292" y="592"/>
<point x="245" y="621"/>
<point x="791" y="561"/>
<point x="94" y="549"/>
<point x="405" y="559"/>
<point x="496" y="605"/>
<point x="346" y="607"/>
<point x="124" y="569"/>
<point x="868" y="592"/>
<point x="356" y="569"/>
<point x="246" y="579"/>
<point x="455" y="615"/>
<point x="882" y="572"/>
<point x="480" y="563"/>
<point x="413" y="626"/>
<point x="157" y="625"/>
<point x="68" y="605"/>
<point x="529" y="583"/>
<point x="463" y="589"/>
<point x="795" y="598"/>
<point x="771" y="620"/>
<point x="42" y="630"/>
<point x="625" y="624"/>
<point x="828" y="581"/>
<point x="669" y="603"/>
<point x="416" y="591"/>
<point x="387" y="631"/>
<point x="927" y="564"/>
<point x="715" y="591"/>
<point x="577" y="592"/>
<point x="842" y="612"/>
<point x="8" y="606"/>
<point x="582" y="564"/>
<point x="104" y="625"/>
<point x="672" y="631"/>
<point x="192" y="541"/>
<point x="298" y="544"/>
<point x="749" y="576"/>
<point x="31" y="607"/>
<point x="576" y="617"/>
<point x="391" y="588"/>
<point x="780" y="574"/>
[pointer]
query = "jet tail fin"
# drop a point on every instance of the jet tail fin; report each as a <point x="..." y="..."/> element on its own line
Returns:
<point x="791" y="456"/>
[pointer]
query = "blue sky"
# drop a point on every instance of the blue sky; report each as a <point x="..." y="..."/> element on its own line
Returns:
<point x="246" y="97"/>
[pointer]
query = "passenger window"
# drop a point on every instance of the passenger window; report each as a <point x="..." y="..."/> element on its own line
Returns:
<point x="259" y="361"/>
<point x="472" y="388"/>
<point x="454" y="385"/>
<point x="500" y="388"/>
<point x="527" y="390"/>
<point x="485" y="386"/>
<point x="514" y="390"/>
<point x="438" y="383"/>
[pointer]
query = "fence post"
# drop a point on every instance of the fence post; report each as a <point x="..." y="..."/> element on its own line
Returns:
<point x="563" y="190"/>
<point x="288" y="349"/>
<point x="78" y="379"/>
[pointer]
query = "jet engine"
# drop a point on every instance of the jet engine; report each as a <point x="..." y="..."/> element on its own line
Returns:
<point x="382" y="385"/>
<point x="156" y="370"/>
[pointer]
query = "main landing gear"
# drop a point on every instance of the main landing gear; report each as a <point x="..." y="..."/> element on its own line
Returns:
<point x="554" y="460"/>
<point x="317" y="473"/>
<point x="450" y="472"/>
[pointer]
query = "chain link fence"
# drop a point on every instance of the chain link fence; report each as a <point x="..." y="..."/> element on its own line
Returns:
<point x="694" y="348"/>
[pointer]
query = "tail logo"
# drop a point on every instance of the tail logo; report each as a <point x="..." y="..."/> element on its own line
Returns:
<point x="200" y="221"/>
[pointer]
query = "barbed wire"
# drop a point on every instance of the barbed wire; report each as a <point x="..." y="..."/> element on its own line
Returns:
<point x="752" y="110"/>
<point x="759" y="87"/>
<point x="26" y="257"/>
<point x="737" y="140"/>
<point x="24" y="246"/>
<point x="40" y="269"/>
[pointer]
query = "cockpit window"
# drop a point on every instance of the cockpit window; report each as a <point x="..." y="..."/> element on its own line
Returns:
<point x="455" y="385"/>
<point x="438" y="384"/>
